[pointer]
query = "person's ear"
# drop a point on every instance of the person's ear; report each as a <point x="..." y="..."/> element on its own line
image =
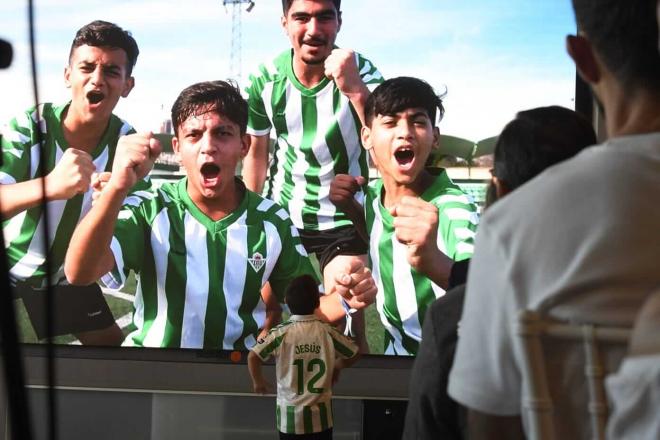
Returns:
<point x="175" y="148"/>
<point x="501" y="188"/>
<point x="128" y="86"/>
<point x="283" y="22"/>
<point x="67" y="77"/>
<point x="436" y="138"/>
<point x="245" y="144"/>
<point x="586" y="62"/>
<point x="339" y="21"/>
<point x="365" y="134"/>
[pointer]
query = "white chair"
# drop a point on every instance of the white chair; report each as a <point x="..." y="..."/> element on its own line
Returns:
<point x="535" y="332"/>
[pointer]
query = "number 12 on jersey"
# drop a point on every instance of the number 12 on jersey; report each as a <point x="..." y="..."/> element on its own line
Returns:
<point x="312" y="365"/>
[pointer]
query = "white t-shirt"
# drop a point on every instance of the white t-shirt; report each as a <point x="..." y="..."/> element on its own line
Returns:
<point x="634" y="394"/>
<point x="580" y="242"/>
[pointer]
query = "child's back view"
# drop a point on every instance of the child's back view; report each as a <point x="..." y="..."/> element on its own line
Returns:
<point x="308" y="354"/>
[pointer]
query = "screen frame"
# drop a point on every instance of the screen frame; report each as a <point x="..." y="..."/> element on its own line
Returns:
<point x="202" y="371"/>
<point x="189" y="371"/>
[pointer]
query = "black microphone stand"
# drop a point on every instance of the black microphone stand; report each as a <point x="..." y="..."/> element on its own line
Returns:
<point x="12" y="357"/>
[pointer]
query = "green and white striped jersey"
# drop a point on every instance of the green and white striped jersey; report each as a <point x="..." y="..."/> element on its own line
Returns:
<point x="317" y="136"/>
<point x="306" y="350"/>
<point x="403" y="294"/>
<point x="24" y="232"/>
<point x="199" y="280"/>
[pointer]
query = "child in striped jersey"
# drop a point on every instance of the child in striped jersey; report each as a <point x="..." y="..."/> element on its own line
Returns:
<point x="203" y="247"/>
<point x="309" y="355"/>
<point x="418" y="222"/>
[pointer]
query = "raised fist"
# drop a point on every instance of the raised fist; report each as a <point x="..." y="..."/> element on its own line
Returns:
<point x="343" y="189"/>
<point x="134" y="159"/>
<point x="341" y="67"/>
<point x="72" y="175"/>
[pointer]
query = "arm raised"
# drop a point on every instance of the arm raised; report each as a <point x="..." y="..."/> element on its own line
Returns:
<point x="342" y="68"/>
<point x="89" y="255"/>
<point x="71" y="176"/>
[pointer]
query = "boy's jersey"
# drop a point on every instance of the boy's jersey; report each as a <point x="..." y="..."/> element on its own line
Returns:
<point x="24" y="232"/>
<point x="199" y="280"/>
<point x="306" y="350"/>
<point x="317" y="136"/>
<point x="403" y="294"/>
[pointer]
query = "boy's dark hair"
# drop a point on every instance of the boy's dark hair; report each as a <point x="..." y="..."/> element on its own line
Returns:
<point x="537" y="139"/>
<point x="219" y="96"/>
<point x="104" y="34"/>
<point x="286" y="5"/>
<point x="302" y="295"/>
<point x="398" y="94"/>
<point x="625" y="35"/>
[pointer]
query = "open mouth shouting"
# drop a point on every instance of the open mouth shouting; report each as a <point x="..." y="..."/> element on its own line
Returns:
<point x="404" y="157"/>
<point x="95" y="97"/>
<point x="210" y="174"/>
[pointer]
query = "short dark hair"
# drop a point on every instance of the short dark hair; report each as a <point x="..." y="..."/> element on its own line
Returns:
<point x="286" y="5"/>
<point x="222" y="97"/>
<point x="397" y="94"/>
<point x="537" y="139"/>
<point x="625" y="35"/>
<point x="302" y="295"/>
<point x="101" y="33"/>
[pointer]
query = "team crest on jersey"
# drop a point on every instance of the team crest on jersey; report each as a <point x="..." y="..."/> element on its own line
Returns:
<point x="257" y="261"/>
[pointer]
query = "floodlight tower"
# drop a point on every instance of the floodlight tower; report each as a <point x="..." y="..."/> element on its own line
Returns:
<point x="235" y="63"/>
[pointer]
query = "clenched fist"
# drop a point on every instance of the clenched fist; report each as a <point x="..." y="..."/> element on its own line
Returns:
<point x="134" y="159"/>
<point x="341" y="67"/>
<point x="356" y="284"/>
<point x="416" y="226"/>
<point x="72" y="175"/>
<point x="343" y="189"/>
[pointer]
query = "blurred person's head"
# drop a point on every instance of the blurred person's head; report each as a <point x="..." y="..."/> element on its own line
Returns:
<point x="617" y="38"/>
<point x="535" y="140"/>
<point x="302" y="295"/>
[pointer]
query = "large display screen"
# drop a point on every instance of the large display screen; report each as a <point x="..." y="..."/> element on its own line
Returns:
<point x="491" y="58"/>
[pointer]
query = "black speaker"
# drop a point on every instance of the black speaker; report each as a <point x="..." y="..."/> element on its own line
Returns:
<point x="383" y="419"/>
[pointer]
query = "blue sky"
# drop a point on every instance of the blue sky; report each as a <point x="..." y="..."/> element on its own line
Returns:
<point x="494" y="57"/>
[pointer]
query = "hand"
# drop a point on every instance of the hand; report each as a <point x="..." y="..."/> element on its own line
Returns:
<point x="72" y="175"/>
<point x="262" y="334"/>
<point x="134" y="159"/>
<point x="356" y="285"/>
<point x="99" y="181"/>
<point x="343" y="189"/>
<point x="341" y="67"/>
<point x="416" y="226"/>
